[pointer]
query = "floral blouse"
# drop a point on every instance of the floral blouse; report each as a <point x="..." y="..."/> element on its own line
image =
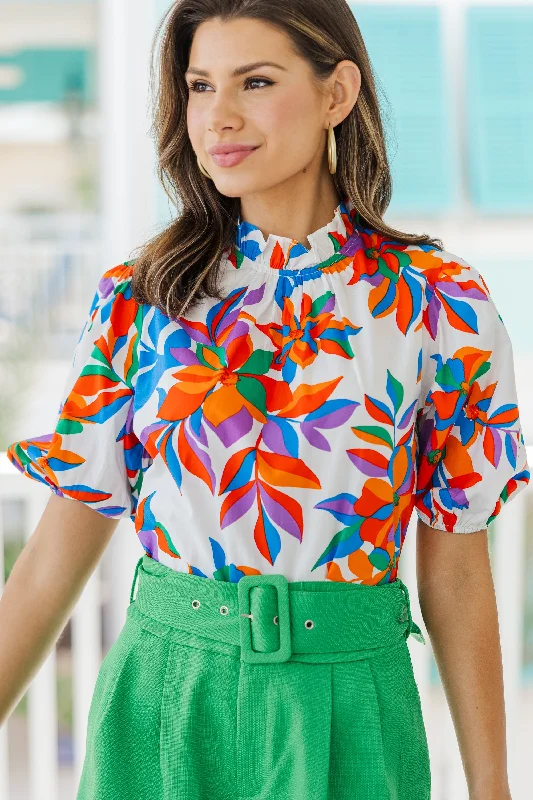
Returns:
<point x="293" y="427"/>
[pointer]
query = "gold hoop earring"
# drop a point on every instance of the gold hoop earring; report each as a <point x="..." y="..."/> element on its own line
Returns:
<point x="332" y="150"/>
<point x="202" y="170"/>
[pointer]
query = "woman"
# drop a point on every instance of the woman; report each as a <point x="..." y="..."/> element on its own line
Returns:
<point x="268" y="391"/>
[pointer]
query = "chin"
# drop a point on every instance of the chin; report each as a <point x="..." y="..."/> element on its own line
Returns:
<point x="237" y="187"/>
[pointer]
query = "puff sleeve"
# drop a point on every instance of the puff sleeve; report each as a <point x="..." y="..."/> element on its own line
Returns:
<point x="471" y="454"/>
<point x="93" y="454"/>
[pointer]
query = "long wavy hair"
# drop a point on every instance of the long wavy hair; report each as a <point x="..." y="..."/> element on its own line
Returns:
<point x="179" y="266"/>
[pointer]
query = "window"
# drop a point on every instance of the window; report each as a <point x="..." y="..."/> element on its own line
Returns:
<point x="405" y="48"/>
<point x="500" y="107"/>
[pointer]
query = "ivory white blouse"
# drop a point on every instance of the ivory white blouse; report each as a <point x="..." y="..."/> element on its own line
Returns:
<point x="293" y="427"/>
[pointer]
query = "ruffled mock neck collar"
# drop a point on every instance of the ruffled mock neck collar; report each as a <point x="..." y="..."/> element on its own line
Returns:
<point x="283" y="253"/>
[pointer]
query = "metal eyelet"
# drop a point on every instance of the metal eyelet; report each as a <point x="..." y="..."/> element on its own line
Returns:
<point x="276" y="622"/>
<point x="309" y="623"/>
<point x="195" y="604"/>
<point x="223" y="609"/>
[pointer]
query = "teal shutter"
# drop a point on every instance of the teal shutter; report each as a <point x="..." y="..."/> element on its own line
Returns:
<point x="405" y="48"/>
<point x="500" y="107"/>
<point x="49" y="75"/>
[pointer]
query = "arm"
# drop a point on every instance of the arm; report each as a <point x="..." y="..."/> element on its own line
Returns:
<point x="458" y="606"/>
<point x="43" y="588"/>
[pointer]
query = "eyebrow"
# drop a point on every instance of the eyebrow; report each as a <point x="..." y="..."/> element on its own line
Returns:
<point x="240" y="70"/>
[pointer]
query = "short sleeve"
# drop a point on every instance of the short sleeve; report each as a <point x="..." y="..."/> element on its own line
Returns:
<point x="471" y="454"/>
<point x="93" y="455"/>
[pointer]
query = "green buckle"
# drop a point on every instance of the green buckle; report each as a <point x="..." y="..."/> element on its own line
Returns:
<point x="284" y="652"/>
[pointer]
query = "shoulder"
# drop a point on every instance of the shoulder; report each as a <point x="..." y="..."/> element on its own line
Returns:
<point x="113" y="303"/>
<point x="115" y="279"/>
<point x="433" y="268"/>
<point x="456" y="299"/>
<point x="442" y="269"/>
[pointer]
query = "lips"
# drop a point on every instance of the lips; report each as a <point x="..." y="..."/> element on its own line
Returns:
<point x="222" y="149"/>
<point x="232" y="158"/>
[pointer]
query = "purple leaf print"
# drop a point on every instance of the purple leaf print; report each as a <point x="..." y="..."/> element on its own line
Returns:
<point x="364" y="466"/>
<point x="185" y="356"/>
<point x="240" y="328"/>
<point x="433" y="311"/>
<point x="202" y="456"/>
<point x="407" y="417"/>
<point x="341" y="506"/>
<point x="314" y="437"/>
<point x="329" y="305"/>
<point x="255" y="296"/>
<point x="194" y="333"/>
<point x="229" y="318"/>
<point x="146" y="432"/>
<point x="280" y="515"/>
<point x="353" y="244"/>
<point x="341" y="412"/>
<point x="234" y="428"/>
<point x="240" y="507"/>
<point x="497" y="439"/>
<point x="457" y="290"/>
<point x="279" y="437"/>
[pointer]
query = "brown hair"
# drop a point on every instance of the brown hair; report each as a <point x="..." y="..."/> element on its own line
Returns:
<point x="179" y="266"/>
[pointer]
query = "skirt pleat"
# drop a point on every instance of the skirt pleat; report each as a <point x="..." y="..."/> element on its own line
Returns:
<point x="122" y="758"/>
<point x="283" y="730"/>
<point x="198" y="724"/>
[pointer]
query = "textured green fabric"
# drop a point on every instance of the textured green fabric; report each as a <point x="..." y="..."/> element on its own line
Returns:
<point x="178" y="714"/>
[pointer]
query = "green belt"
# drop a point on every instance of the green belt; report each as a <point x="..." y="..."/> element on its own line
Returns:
<point x="271" y="619"/>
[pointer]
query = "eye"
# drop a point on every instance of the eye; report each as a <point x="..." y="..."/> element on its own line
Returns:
<point x="194" y="85"/>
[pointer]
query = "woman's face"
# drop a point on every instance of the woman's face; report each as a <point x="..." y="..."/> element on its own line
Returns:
<point x="277" y="109"/>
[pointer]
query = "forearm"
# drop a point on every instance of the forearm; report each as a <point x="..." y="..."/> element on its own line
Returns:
<point x="460" y="615"/>
<point x="31" y="620"/>
<point x="42" y="590"/>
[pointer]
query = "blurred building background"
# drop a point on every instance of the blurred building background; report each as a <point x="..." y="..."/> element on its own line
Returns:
<point x="78" y="192"/>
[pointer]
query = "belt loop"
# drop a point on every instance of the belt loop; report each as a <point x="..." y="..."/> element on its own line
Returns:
<point x="412" y="628"/>
<point x="139" y="562"/>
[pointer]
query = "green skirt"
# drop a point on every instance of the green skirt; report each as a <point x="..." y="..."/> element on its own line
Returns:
<point x="262" y="689"/>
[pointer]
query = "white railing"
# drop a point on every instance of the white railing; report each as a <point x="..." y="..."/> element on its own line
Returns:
<point x="110" y="586"/>
<point x="49" y="267"/>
